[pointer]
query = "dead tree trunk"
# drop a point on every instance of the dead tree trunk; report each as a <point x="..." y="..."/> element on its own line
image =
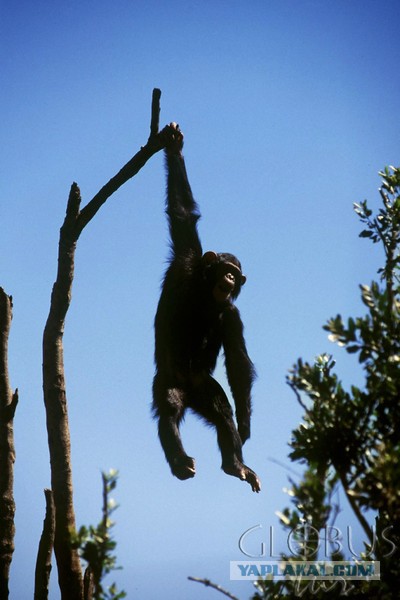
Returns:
<point x="8" y="404"/>
<point x="68" y="564"/>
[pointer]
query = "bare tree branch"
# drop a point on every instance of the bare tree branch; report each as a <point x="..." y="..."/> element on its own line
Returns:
<point x="68" y="564"/>
<point x="354" y="505"/>
<point x="8" y="404"/>
<point x="43" y="562"/>
<point x="132" y="167"/>
<point x="209" y="583"/>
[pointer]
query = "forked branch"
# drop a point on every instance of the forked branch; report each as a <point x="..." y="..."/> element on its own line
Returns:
<point x="68" y="564"/>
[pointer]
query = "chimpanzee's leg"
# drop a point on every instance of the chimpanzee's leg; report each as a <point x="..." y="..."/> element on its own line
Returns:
<point x="169" y="407"/>
<point x="209" y="400"/>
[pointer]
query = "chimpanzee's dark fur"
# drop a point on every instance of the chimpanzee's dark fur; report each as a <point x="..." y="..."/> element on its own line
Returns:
<point x="195" y="318"/>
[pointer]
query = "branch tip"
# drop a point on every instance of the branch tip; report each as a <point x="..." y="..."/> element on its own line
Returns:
<point x="155" y="112"/>
<point x="13" y="403"/>
<point x="74" y="201"/>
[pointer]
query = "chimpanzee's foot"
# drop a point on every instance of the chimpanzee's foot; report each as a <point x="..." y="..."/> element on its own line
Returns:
<point x="253" y="480"/>
<point x="238" y="469"/>
<point x="183" y="467"/>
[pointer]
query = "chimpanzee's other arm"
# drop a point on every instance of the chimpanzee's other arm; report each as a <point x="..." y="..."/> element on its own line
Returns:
<point x="182" y="210"/>
<point x="239" y="369"/>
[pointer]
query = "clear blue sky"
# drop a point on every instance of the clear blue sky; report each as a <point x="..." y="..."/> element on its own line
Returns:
<point x="289" y="108"/>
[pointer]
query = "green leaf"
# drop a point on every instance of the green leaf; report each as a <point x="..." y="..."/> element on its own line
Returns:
<point x="352" y="349"/>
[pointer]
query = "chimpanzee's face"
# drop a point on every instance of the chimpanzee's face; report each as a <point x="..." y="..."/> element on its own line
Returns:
<point x="224" y="275"/>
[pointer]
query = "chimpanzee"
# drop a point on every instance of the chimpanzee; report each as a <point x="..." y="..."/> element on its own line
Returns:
<point x="195" y="317"/>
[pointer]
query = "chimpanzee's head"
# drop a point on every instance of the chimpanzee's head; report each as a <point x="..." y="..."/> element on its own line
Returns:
<point x="223" y="273"/>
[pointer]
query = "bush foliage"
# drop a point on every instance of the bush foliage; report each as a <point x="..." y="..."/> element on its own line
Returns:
<point x="351" y="438"/>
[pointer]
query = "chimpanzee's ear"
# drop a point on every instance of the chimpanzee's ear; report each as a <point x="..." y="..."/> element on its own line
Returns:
<point x="210" y="257"/>
<point x="244" y="279"/>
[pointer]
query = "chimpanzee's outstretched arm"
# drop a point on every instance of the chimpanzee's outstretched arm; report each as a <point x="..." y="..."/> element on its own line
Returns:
<point x="239" y="369"/>
<point x="182" y="210"/>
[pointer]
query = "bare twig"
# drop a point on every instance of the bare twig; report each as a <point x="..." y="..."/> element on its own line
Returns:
<point x="209" y="583"/>
<point x="43" y="562"/>
<point x="296" y="393"/>
<point x="8" y="404"/>
<point x="284" y="466"/>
